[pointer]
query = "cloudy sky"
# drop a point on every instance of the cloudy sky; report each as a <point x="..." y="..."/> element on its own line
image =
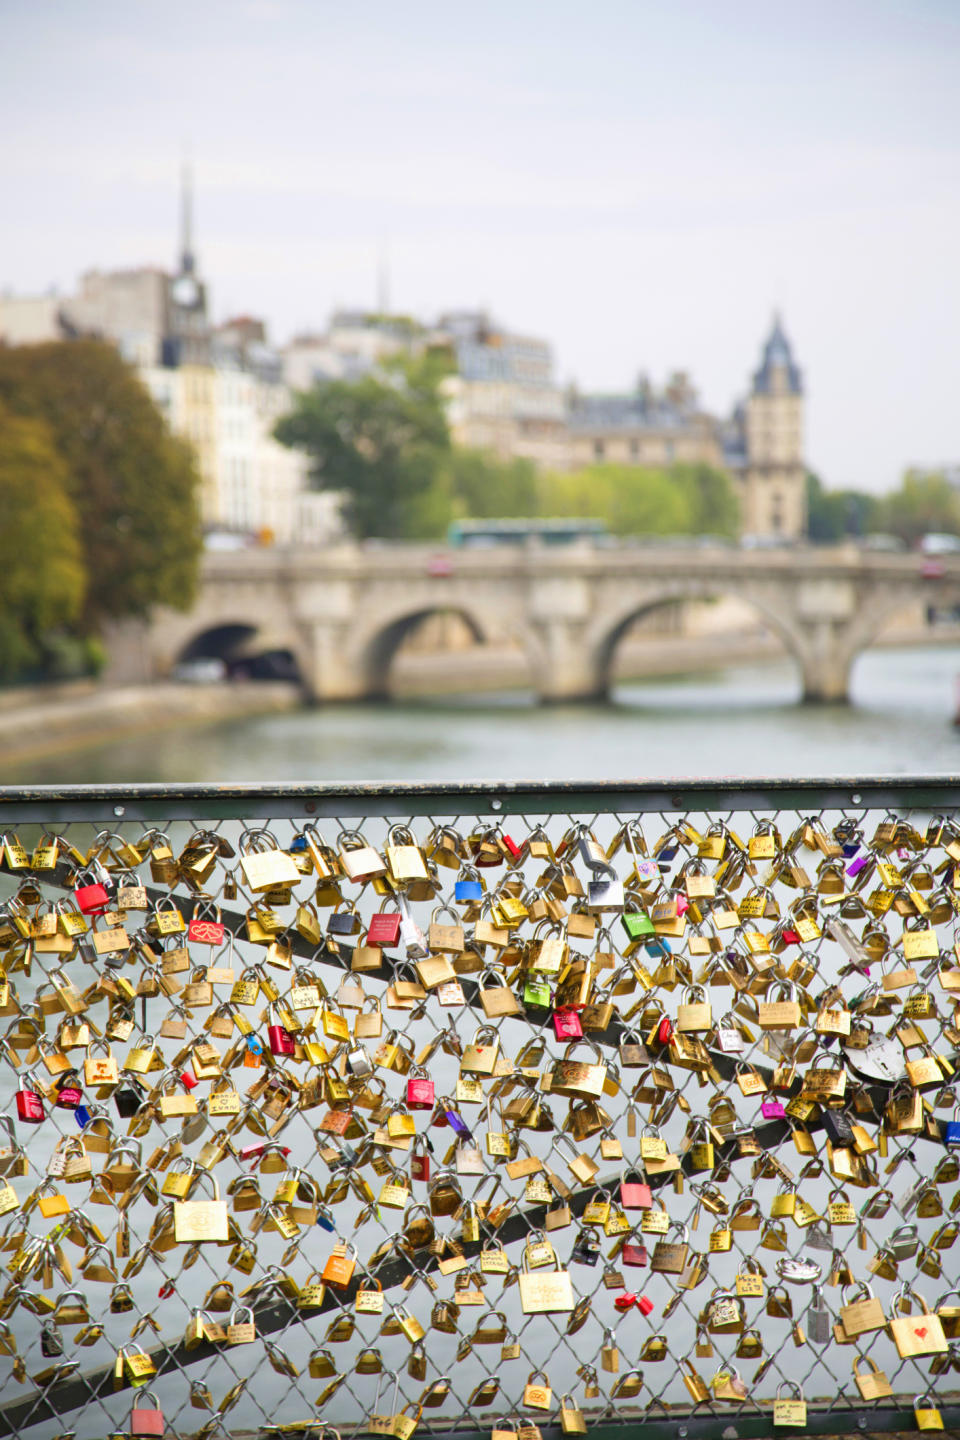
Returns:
<point x="642" y="184"/>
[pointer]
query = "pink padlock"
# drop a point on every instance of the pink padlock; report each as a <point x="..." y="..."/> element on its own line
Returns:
<point x="69" y="1094"/>
<point x="420" y="1089"/>
<point x="772" y="1110"/>
<point x="567" y="1025"/>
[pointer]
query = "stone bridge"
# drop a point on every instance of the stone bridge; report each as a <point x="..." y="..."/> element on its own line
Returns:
<point x="343" y="612"/>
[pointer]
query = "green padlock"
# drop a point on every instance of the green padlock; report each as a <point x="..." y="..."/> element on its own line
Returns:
<point x="537" y="992"/>
<point x="637" y="924"/>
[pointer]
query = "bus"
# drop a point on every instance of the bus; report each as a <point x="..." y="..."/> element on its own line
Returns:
<point x="477" y="534"/>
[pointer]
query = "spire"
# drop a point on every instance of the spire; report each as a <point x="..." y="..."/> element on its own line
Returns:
<point x="187" y="260"/>
<point x="777" y="355"/>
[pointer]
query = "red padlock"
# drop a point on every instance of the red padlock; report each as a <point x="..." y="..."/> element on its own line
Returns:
<point x="91" y="899"/>
<point x="626" y="1301"/>
<point x="567" y="1025"/>
<point x="147" y="1418"/>
<point x="511" y="846"/>
<point x="187" y="1079"/>
<point x="665" y="1030"/>
<point x="789" y="937"/>
<point x="384" y="928"/>
<point x="29" y="1106"/>
<point x="420" y="1159"/>
<point x="420" y="1090"/>
<point x="280" y="1040"/>
<point x="633" y="1254"/>
<point x="202" y="931"/>
<point x="644" y="1305"/>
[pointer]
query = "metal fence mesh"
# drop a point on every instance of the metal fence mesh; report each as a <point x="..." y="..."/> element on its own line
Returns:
<point x="670" y="1230"/>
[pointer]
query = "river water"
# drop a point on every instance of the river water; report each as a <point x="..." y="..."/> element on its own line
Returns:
<point x="744" y="720"/>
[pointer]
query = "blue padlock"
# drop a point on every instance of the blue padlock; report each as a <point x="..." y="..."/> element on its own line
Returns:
<point x="325" y="1220"/>
<point x="254" y="1044"/>
<point x="467" y="890"/>
<point x="83" y="1116"/>
<point x="951" y="1135"/>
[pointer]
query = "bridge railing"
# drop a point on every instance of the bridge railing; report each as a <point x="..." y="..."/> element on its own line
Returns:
<point x="414" y="1199"/>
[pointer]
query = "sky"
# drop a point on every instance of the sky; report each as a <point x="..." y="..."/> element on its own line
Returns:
<point x="641" y="184"/>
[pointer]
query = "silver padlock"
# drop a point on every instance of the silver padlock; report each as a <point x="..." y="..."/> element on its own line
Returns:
<point x="605" y="890"/>
<point x="358" y="1062"/>
<point x="904" y="1241"/>
<point x="819" y="1319"/>
<point x="817" y="1237"/>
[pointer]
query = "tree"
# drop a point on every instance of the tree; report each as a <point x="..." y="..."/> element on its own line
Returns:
<point x="832" y="514"/>
<point x="714" y="508"/>
<point x="42" y="576"/>
<point x="483" y="487"/>
<point x="133" y="484"/>
<point x="380" y="440"/>
<point x="923" y="503"/>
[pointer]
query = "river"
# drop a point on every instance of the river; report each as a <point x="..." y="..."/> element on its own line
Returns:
<point x="743" y="720"/>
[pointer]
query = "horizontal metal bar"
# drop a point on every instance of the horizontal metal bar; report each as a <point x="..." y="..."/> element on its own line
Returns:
<point x="684" y="1423"/>
<point x="53" y="804"/>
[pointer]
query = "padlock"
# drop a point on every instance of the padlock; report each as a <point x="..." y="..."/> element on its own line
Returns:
<point x="29" y="1104"/>
<point x="279" y="1039"/>
<point x="420" y="1089"/>
<point x="586" y="1247"/>
<point x="926" y="1414"/>
<point x="146" y="1417"/>
<point x="69" y="1094"/>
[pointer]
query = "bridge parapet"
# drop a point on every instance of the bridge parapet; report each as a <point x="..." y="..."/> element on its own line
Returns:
<point x="343" y="612"/>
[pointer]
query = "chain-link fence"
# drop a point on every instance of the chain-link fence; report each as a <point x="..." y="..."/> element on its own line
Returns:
<point x="395" y="1110"/>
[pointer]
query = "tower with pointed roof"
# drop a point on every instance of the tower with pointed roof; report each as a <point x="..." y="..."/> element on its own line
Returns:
<point x="773" y="474"/>
<point x="188" y="339"/>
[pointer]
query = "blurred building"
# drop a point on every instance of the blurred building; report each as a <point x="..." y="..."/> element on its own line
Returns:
<point x="220" y="387"/>
<point x="761" y="445"/>
<point x="502" y="396"/>
<point x="647" y="427"/>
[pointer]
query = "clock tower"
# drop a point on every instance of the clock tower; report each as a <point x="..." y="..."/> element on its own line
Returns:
<point x="187" y="341"/>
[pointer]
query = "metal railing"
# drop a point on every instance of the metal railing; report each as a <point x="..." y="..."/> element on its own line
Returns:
<point x="223" y="1007"/>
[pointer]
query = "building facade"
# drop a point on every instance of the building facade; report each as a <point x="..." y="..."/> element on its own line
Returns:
<point x="761" y="445"/>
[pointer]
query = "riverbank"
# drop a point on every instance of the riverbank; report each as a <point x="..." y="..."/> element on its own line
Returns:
<point x="39" y="721"/>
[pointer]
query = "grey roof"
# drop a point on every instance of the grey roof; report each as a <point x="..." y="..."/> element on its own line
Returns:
<point x="777" y="355"/>
<point x="626" y="412"/>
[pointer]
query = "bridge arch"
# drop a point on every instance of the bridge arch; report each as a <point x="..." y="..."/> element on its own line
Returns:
<point x="375" y="649"/>
<point x="247" y="647"/>
<point x="610" y="627"/>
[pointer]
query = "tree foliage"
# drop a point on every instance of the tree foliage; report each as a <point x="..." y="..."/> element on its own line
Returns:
<point x="42" y="573"/>
<point x="681" y="500"/>
<point x="924" y="503"/>
<point x="381" y="441"/>
<point x="834" y="514"/>
<point x="133" y="484"/>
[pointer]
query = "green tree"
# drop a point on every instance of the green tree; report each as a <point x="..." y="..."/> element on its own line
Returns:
<point x="833" y="514"/>
<point x="631" y="500"/>
<point x="482" y="487"/>
<point x="923" y="503"/>
<point x="381" y="441"/>
<point x="133" y="484"/>
<point x="42" y="576"/>
<point x="714" y="508"/>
